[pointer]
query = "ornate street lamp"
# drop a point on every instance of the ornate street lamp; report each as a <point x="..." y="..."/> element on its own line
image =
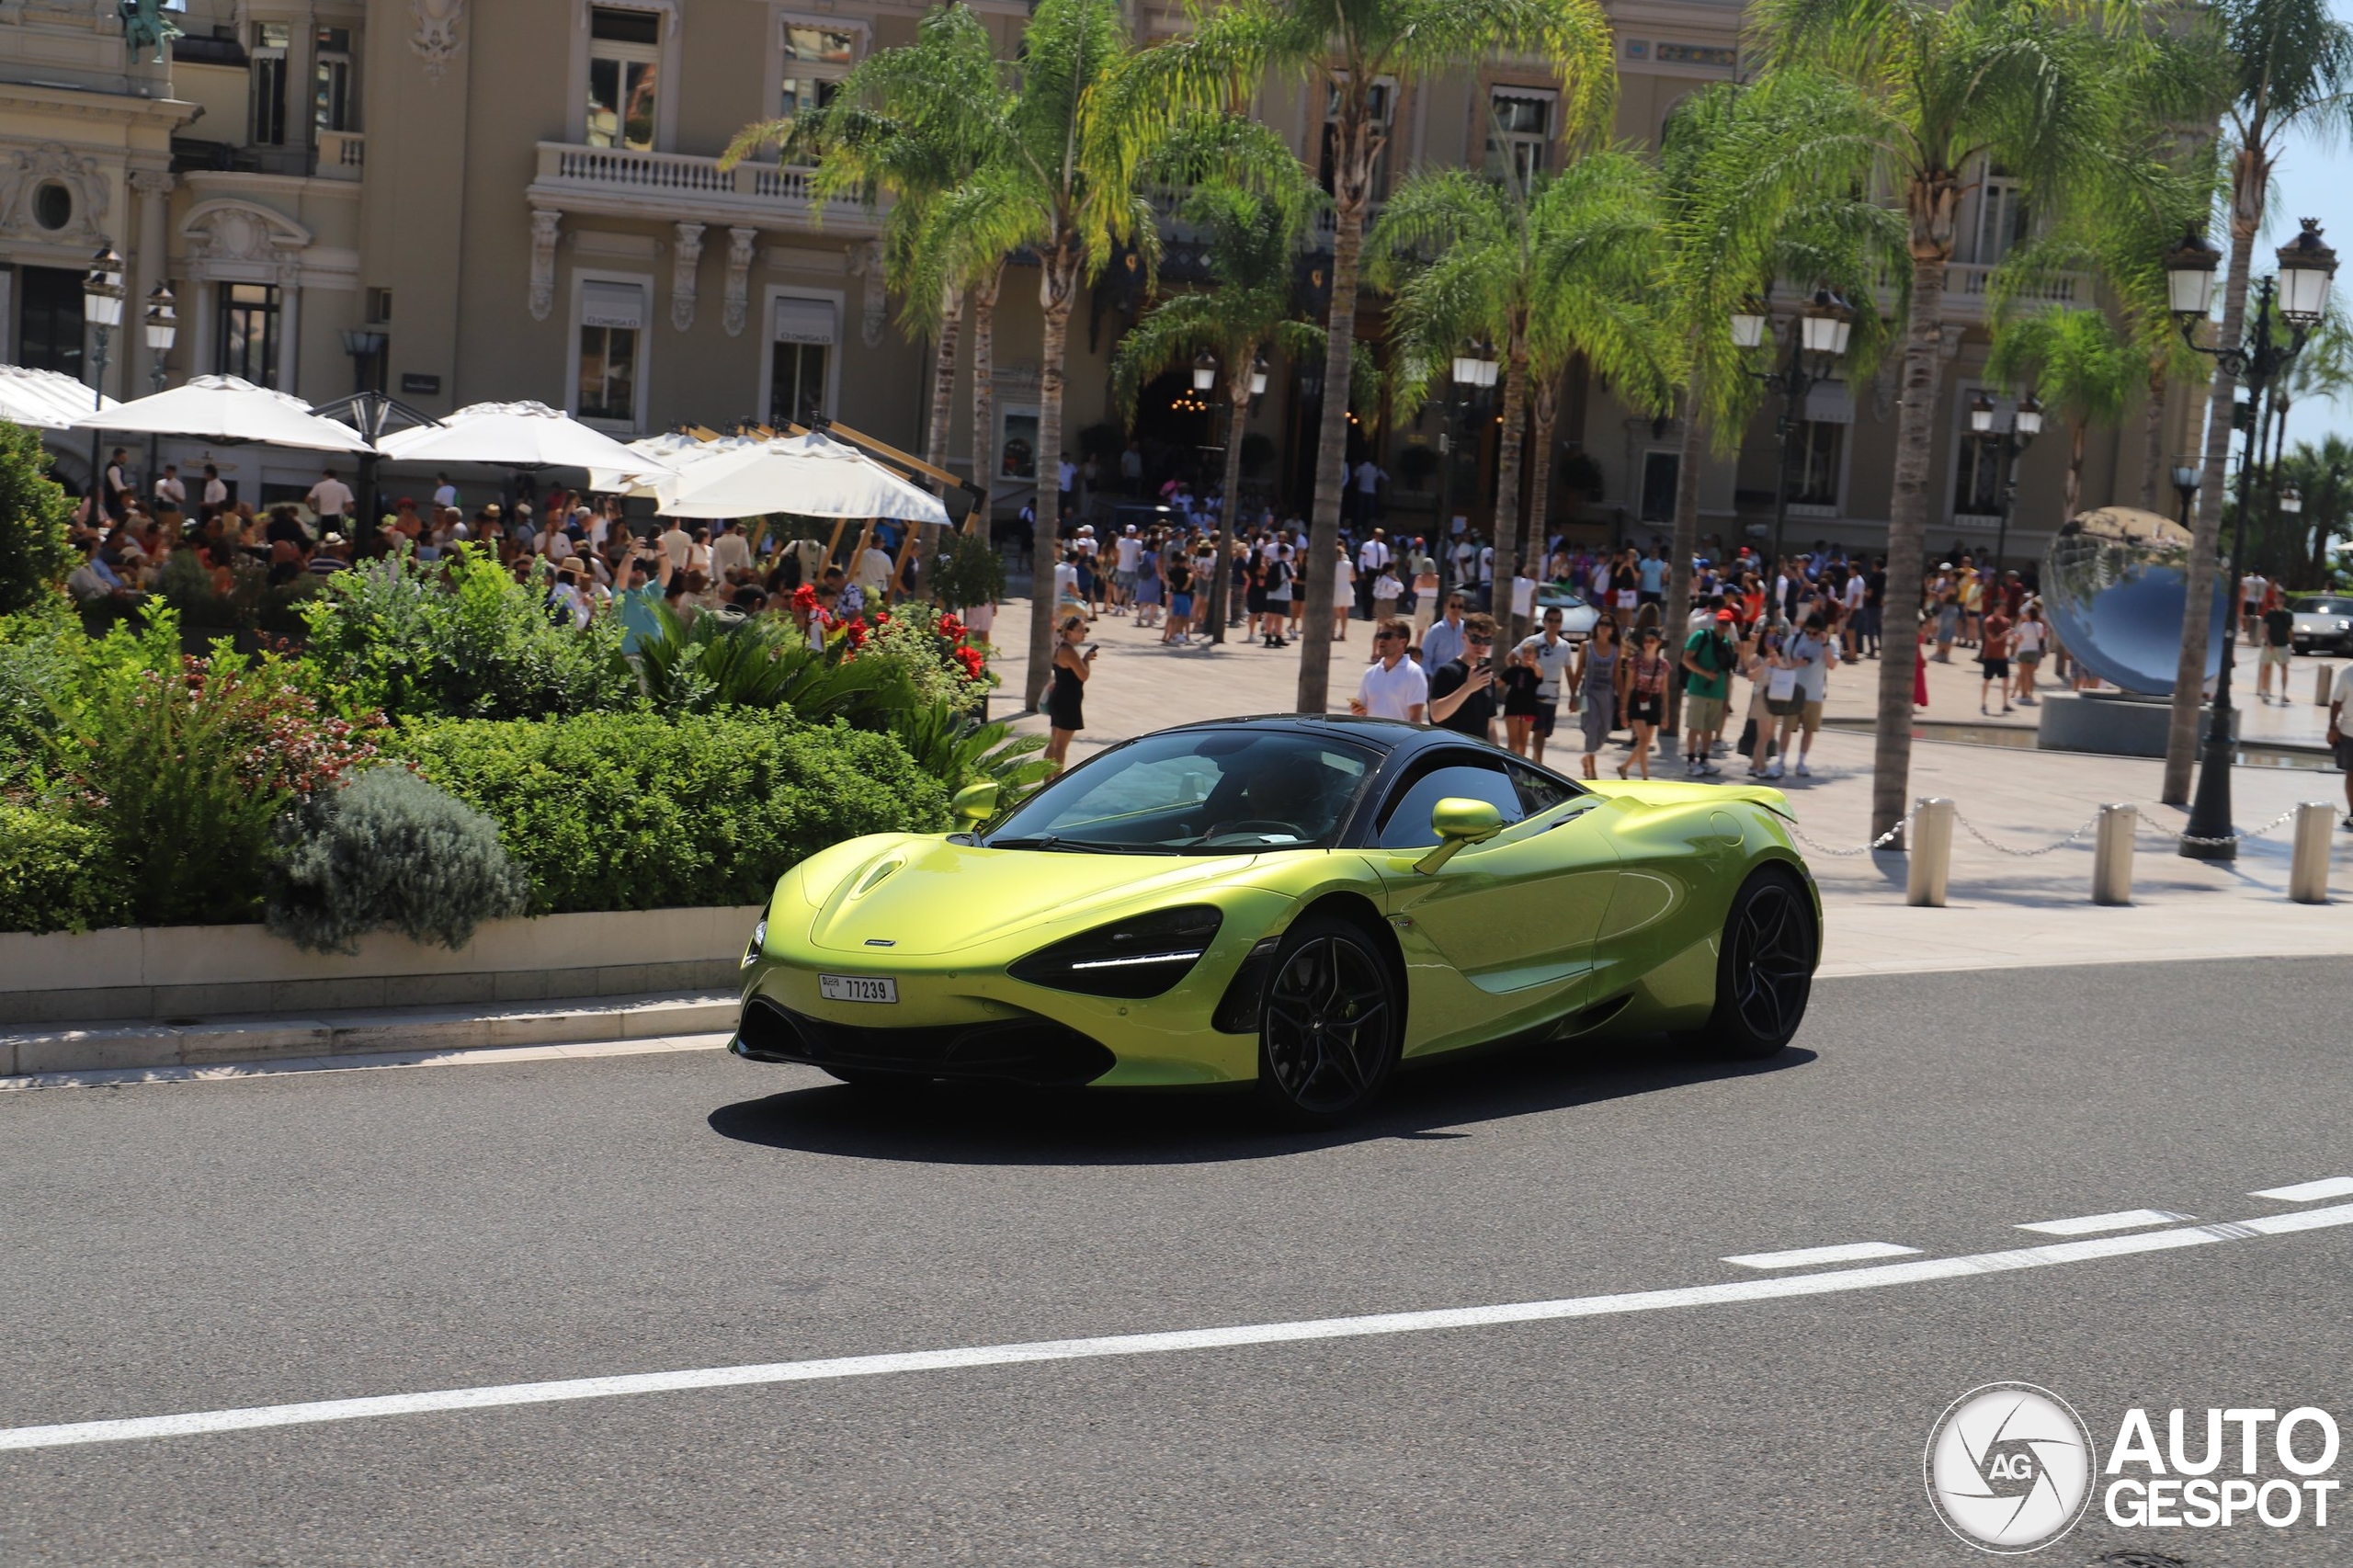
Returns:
<point x="1258" y="376"/>
<point x="1204" y="371"/>
<point x="1825" y="323"/>
<point x="163" y="330"/>
<point x="2185" y="484"/>
<point x="102" y="305"/>
<point x="2026" y="423"/>
<point x="1474" y="368"/>
<point x="2307" y="266"/>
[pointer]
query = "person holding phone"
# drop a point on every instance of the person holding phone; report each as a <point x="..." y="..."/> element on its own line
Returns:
<point x="1074" y="661"/>
<point x="1462" y="696"/>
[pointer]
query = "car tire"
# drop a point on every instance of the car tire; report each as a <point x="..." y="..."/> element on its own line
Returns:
<point x="1330" y="1025"/>
<point x="1764" y="967"/>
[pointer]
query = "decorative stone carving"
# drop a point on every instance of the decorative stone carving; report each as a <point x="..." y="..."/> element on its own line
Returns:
<point x="435" y="40"/>
<point x="153" y="182"/>
<point x="868" y="265"/>
<point x="682" y="276"/>
<point x="546" y="225"/>
<point x="242" y="240"/>
<point x="739" y="268"/>
<point x="52" y="162"/>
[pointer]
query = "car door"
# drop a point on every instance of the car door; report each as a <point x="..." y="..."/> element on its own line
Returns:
<point x="1501" y="938"/>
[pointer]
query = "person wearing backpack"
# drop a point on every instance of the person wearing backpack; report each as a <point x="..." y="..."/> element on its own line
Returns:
<point x="1708" y="657"/>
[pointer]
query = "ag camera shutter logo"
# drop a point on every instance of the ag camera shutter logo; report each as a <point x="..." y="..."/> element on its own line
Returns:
<point x="2009" y="1467"/>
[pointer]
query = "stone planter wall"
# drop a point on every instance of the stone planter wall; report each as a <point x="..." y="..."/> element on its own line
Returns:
<point x="170" y="971"/>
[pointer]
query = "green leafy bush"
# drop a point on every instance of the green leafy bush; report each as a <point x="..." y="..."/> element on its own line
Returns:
<point x="388" y="850"/>
<point x="394" y="639"/>
<point x="34" y="514"/>
<point x="179" y="764"/>
<point x="959" y="750"/>
<point x="55" y="873"/>
<point x="729" y="662"/>
<point x="637" y="810"/>
<point x="971" y="573"/>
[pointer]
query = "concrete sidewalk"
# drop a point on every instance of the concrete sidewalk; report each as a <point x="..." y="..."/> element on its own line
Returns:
<point x="2003" y="910"/>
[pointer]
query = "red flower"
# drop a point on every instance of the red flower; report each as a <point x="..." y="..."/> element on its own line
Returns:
<point x="804" y="599"/>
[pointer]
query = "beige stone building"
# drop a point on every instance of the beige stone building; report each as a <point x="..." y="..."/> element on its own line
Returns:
<point x="456" y="201"/>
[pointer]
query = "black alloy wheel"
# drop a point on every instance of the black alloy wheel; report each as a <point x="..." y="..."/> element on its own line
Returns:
<point x="1329" y="1033"/>
<point x="1765" y="973"/>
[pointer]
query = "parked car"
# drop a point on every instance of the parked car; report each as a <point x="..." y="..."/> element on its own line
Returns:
<point x="2323" y="620"/>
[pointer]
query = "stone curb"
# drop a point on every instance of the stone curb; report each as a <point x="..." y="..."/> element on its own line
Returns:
<point x="135" y="1043"/>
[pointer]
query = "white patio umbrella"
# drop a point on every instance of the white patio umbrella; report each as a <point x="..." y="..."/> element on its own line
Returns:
<point x="678" y="450"/>
<point x="45" y="400"/>
<point x="515" y="435"/>
<point x="223" y="408"/>
<point x="812" y="475"/>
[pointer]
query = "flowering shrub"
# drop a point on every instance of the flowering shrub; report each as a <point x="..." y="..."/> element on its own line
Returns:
<point x="931" y="647"/>
<point x="178" y="764"/>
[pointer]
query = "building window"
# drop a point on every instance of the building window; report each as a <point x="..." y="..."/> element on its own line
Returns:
<point x="816" y="59"/>
<point x="248" y="334"/>
<point x="1659" y="470"/>
<point x="268" y="65"/>
<point x="331" y="80"/>
<point x="800" y="359"/>
<point x="1018" y="448"/>
<point x="2001" y="218"/>
<point x="1813" y="463"/>
<point x="612" y="326"/>
<point x="624" y="66"/>
<point x="1520" y="134"/>
<point x="1383" y="107"/>
<point x="49" y="319"/>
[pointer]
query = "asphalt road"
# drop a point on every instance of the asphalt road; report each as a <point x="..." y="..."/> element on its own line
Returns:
<point x="201" y="1246"/>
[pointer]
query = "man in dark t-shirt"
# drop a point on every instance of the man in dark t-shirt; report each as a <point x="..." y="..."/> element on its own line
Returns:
<point x="2278" y="634"/>
<point x="1462" y="690"/>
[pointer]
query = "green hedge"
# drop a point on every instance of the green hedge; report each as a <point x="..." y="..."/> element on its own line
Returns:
<point x="639" y="811"/>
<point x="54" y="874"/>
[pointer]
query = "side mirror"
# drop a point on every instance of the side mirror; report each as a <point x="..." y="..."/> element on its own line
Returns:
<point x="1458" y="824"/>
<point x="975" y="803"/>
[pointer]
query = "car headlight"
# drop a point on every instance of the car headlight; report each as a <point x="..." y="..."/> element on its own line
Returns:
<point x="760" y="940"/>
<point x="1132" y="958"/>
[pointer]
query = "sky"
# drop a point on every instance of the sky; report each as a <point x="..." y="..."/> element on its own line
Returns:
<point x="2313" y="180"/>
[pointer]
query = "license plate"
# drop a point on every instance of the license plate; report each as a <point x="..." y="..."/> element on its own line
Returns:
<point x="857" y="988"/>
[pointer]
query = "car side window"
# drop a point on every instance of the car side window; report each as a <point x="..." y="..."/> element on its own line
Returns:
<point x="1539" y="792"/>
<point x="1405" y="820"/>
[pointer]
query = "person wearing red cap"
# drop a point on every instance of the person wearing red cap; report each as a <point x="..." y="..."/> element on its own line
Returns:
<point x="1708" y="658"/>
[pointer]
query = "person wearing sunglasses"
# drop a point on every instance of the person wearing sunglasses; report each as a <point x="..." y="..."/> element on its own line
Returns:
<point x="1462" y="697"/>
<point x="1394" y="686"/>
<point x="1442" y="643"/>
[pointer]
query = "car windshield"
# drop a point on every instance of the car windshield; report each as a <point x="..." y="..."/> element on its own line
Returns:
<point x="1197" y="791"/>
<point x="2316" y="606"/>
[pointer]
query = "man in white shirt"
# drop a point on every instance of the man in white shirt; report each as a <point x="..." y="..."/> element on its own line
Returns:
<point x="2340" y="734"/>
<point x="171" y="496"/>
<point x="444" y="493"/>
<point x="1368" y="477"/>
<point x="1394" y="686"/>
<point x="216" y="493"/>
<point x="676" y="545"/>
<point x="331" y="499"/>
<point x="1125" y="554"/>
<point x="1550" y="654"/>
<point x="731" y="551"/>
<point x="1372" y="557"/>
<point x="871" y="574"/>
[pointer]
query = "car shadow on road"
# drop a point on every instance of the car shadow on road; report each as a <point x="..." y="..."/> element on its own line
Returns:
<point x="967" y="1125"/>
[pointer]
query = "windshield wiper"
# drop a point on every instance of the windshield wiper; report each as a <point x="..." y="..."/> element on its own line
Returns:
<point x="1078" y="846"/>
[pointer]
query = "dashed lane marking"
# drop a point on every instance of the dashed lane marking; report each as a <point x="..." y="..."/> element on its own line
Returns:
<point x="2094" y="1225"/>
<point x="1812" y="1257"/>
<point x="2310" y="1191"/>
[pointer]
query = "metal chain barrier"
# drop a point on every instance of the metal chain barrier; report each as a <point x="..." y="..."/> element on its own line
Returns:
<point x="1882" y="842"/>
<point x="1977" y="832"/>
<point x="2146" y="827"/>
<point x="2235" y="836"/>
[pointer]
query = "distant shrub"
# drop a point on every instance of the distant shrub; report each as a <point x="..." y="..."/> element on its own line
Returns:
<point x="639" y="811"/>
<point x="54" y="874"/>
<point x="395" y="639"/>
<point x="388" y="850"/>
<point x="34" y="512"/>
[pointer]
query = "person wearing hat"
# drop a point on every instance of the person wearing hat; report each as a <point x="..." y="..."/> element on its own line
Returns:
<point x="1708" y="660"/>
<point x="1127" y="553"/>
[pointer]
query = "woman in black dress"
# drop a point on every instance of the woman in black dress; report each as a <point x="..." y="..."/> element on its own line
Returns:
<point x="1073" y="664"/>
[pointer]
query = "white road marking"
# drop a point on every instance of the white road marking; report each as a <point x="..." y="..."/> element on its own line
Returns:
<point x="2092" y="1224"/>
<point x="2309" y="1191"/>
<point x="1809" y="1257"/>
<point x="1920" y="1271"/>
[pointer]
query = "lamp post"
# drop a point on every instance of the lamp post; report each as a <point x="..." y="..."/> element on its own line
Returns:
<point x="2185" y="484"/>
<point x="2025" y="426"/>
<point x="163" y="330"/>
<point x="1818" y="342"/>
<point x="102" y="303"/>
<point x="1474" y="368"/>
<point x="363" y="344"/>
<point x="2300" y="289"/>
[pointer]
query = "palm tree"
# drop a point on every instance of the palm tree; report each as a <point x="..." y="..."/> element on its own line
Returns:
<point x="1731" y="229"/>
<point x="913" y="124"/>
<point x="1545" y="268"/>
<point x="2291" y="66"/>
<point x="1357" y="57"/>
<point x="2325" y="475"/>
<point x="1918" y="98"/>
<point x="2080" y="369"/>
<point x="1250" y="240"/>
